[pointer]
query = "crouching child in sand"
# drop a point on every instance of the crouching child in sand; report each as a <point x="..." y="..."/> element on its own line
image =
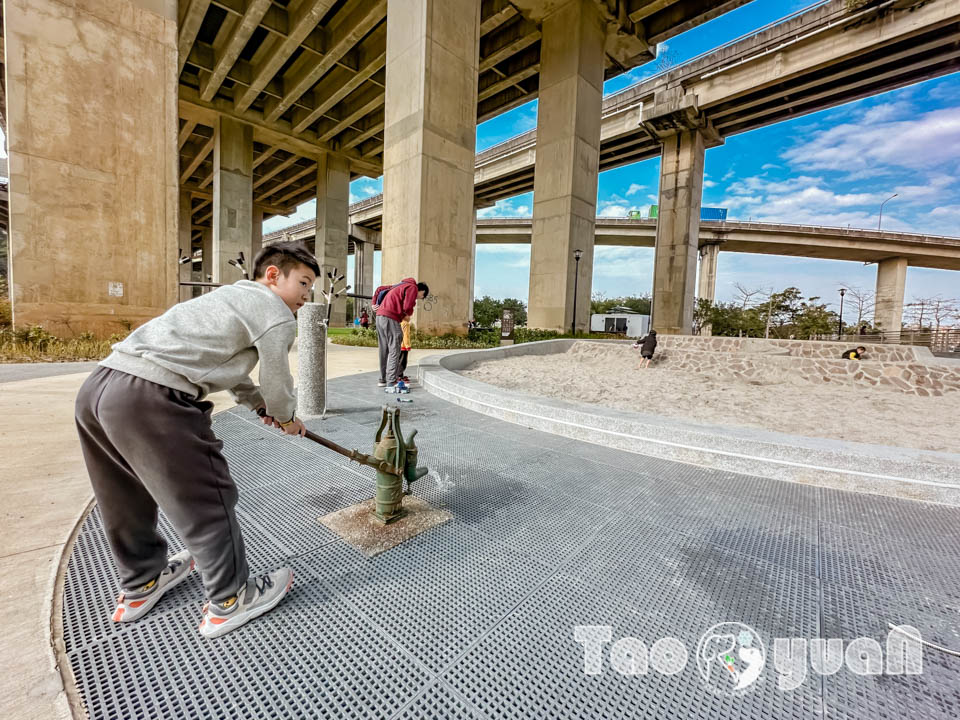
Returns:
<point x="147" y="439"/>
<point x="647" y="345"/>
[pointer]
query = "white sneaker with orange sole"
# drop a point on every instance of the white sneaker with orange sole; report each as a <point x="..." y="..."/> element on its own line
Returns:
<point x="259" y="596"/>
<point x="134" y="604"/>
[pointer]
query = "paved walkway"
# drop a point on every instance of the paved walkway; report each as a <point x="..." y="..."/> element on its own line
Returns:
<point x="43" y="492"/>
<point x="12" y="372"/>
<point x="476" y="619"/>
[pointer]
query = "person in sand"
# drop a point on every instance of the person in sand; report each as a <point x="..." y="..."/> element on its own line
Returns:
<point x="854" y="354"/>
<point x="148" y="443"/>
<point x="647" y="345"/>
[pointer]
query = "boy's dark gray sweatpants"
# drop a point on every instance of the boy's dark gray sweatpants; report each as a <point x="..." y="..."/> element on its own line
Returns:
<point x="147" y="445"/>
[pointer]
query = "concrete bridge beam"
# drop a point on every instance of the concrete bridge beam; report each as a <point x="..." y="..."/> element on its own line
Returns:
<point x="567" y="163"/>
<point x="333" y="224"/>
<point x="430" y="130"/>
<point x="891" y="282"/>
<point x="232" y="196"/>
<point x="684" y="134"/>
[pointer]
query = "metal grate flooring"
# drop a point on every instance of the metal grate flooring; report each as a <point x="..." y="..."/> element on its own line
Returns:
<point x="475" y="619"/>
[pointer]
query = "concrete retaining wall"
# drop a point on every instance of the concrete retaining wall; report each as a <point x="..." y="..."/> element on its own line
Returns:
<point x="794" y="348"/>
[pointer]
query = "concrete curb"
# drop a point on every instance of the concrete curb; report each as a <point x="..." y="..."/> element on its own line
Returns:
<point x="878" y="469"/>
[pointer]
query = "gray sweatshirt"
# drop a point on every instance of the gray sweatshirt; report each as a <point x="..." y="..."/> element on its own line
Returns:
<point x="212" y="343"/>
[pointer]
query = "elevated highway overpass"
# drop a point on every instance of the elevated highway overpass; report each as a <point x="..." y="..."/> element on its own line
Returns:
<point x="158" y="122"/>
<point x="186" y="123"/>
<point x="892" y="251"/>
<point x="813" y="60"/>
<point x="823" y="56"/>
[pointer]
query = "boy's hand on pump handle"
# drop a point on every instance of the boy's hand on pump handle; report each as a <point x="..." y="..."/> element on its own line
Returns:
<point x="293" y="427"/>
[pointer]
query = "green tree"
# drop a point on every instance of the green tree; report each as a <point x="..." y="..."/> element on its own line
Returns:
<point x="600" y="304"/>
<point x="814" y="319"/>
<point x="486" y="311"/>
<point x="519" y="310"/>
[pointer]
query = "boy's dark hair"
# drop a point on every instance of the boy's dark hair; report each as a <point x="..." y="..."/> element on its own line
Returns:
<point x="861" y="347"/>
<point x="286" y="256"/>
<point x="423" y="287"/>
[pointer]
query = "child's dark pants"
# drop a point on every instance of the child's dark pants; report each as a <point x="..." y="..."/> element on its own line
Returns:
<point x="147" y="445"/>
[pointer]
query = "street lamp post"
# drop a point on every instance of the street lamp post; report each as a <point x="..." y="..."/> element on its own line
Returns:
<point x="880" y="220"/>
<point x="577" y="254"/>
<point x="843" y="291"/>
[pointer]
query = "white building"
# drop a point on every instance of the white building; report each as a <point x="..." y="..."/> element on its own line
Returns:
<point x="620" y="320"/>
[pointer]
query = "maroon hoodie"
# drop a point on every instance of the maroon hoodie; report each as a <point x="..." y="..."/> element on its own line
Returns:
<point x="400" y="301"/>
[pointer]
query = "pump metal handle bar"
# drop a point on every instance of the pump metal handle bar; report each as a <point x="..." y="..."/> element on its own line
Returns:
<point x="355" y="455"/>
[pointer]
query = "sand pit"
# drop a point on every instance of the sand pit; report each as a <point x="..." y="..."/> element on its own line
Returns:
<point x="607" y="374"/>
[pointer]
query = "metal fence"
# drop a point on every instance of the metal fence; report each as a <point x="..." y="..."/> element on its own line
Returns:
<point x="944" y="340"/>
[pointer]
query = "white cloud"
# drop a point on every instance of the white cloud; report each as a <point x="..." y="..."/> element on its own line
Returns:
<point x="510" y="207"/>
<point x="635" y="264"/>
<point x="769" y="166"/>
<point x="614" y="211"/>
<point x="634" y="189"/>
<point x="727" y="175"/>
<point x="951" y="211"/>
<point x="885" y="111"/>
<point x="503" y="249"/>
<point x="709" y="183"/>
<point x="928" y="141"/>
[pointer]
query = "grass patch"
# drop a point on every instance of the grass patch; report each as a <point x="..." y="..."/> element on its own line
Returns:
<point x="34" y="344"/>
<point x="476" y="339"/>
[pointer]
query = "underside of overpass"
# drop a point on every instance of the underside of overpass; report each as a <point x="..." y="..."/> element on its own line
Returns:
<point x="176" y="127"/>
<point x="169" y="126"/>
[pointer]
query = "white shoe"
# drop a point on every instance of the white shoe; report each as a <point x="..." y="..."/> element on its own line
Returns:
<point x="134" y="604"/>
<point x="259" y="596"/>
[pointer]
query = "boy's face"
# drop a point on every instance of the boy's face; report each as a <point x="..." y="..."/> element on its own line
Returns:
<point x="294" y="287"/>
<point x="421" y="294"/>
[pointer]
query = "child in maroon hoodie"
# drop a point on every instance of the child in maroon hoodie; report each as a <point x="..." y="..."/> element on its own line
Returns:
<point x="392" y="304"/>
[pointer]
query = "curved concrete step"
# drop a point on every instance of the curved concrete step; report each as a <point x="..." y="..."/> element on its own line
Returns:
<point x="901" y="472"/>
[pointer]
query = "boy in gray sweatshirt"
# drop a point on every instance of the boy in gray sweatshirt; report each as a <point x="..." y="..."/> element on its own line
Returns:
<point x="147" y="439"/>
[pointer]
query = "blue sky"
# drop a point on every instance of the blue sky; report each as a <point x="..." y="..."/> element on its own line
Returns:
<point x="834" y="167"/>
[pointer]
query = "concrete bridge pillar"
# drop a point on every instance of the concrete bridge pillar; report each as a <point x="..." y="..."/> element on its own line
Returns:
<point x="429" y="152"/>
<point x="256" y="238"/>
<point x="684" y="135"/>
<point x="206" y="251"/>
<point x="707" y="283"/>
<point x="232" y="196"/>
<point x="891" y="282"/>
<point x="93" y="200"/>
<point x="332" y="229"/>
<point x="473" y="266"/>
<point x="362" y="272"/>
<point x="185" y="236"/>
<point x="567" y="163"/>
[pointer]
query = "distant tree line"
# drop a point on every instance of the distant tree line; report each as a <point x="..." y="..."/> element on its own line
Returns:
<point x="487" y="311"/>
<point x="787" y="314"/>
